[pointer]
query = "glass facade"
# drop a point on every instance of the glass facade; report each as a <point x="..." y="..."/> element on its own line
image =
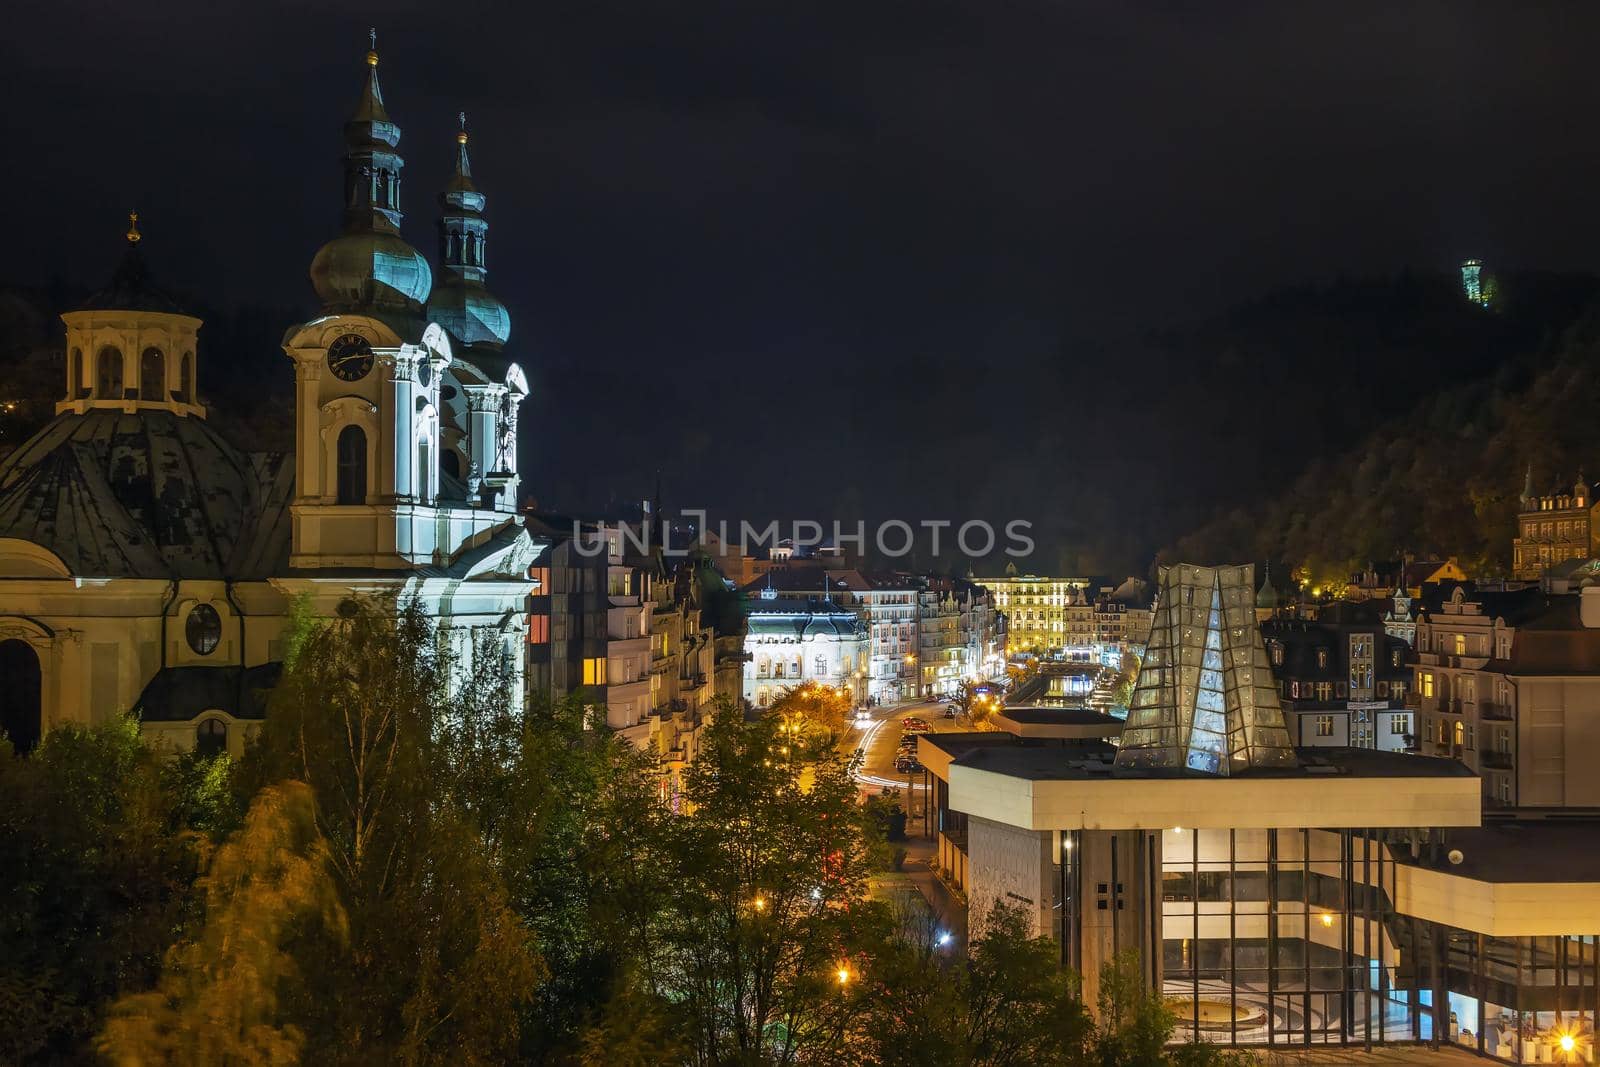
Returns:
<point x="1290" y="937"/>
<point x="1205" y="699"/>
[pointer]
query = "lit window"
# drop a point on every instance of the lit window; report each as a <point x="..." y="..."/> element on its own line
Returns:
<point x="1399" y="724"/>
<point x="1461" y="733"/>
<point x="1427" y="683"/>
<point x="1324" y="725"/>
<point x="1322" y="657"/>
<point x="594" y="671"/>
<point x="1461" y="644"/>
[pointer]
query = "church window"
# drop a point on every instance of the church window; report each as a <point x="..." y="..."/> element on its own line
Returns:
<point x="211" y="737"/>
<point x="75" y="386"/>
<point x="425" y="470"/>
<point x="185" y="373"/>
<point x="152" y="375"/>
<point x="203" y="629"/>
<point x="352" y="463"/>
<point x="451" y="462"/>
<point x="108" y="381"/>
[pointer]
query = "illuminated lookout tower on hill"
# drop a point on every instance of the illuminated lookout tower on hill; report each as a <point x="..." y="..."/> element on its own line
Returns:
<point x="1205" y="699"/>
<point x="1475" y="284"/>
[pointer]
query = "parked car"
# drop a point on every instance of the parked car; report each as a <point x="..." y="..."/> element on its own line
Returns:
<point x="912" y="725"/>
<point x="907" y="764"/>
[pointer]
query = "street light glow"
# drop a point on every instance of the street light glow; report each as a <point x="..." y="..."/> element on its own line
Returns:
<point x="1567" y="1043"/>
<point x="844" y="974"/>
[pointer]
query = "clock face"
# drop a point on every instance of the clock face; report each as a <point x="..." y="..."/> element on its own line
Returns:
<point x="350" y="357"/>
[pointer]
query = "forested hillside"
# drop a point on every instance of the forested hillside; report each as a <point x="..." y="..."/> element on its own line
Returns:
<point x="1441" y="481"/>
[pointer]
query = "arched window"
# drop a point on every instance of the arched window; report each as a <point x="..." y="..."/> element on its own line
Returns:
<point x="211" y="737"/>
<point x="450" y="461"/>
<point x="21" y="716"/>
<point x="75" y="385"/>
<point x="352" y="461"/>
<point x="152" y="375"/>
<point x="185" y="372"/>
<point x="108" y="382"/>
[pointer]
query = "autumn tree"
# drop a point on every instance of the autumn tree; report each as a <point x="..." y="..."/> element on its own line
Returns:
<point x="813" y="708"/>
<point x="221" y="996"/>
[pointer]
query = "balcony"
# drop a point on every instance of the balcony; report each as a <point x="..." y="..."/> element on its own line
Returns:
<point x="1499" y="761"/>
<point x="1494" y="711"/>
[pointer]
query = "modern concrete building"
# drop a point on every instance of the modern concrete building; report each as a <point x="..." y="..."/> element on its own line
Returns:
<point x="1277" y="896"/>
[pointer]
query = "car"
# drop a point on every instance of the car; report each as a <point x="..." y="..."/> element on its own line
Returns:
<point x="950" y="711"/>
<point x="915" y="726"/>
<point x="907" y="765"/>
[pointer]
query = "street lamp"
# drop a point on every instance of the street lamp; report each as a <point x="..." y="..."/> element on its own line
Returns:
<point x="843" y="974"/>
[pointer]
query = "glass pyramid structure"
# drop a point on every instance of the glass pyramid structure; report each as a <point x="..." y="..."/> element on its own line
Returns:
<point x="1205" y="699"/>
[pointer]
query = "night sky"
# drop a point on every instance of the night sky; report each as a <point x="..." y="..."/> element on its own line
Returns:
<point x="813" y="259"/>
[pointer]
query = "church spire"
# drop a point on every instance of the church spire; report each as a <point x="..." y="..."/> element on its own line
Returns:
<point x="371" y="162"/>
<point x="460" y="302"/>
<point x="370" y="267"/>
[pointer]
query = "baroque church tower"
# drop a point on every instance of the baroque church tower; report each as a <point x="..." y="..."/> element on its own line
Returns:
<point x="405" y="431"/>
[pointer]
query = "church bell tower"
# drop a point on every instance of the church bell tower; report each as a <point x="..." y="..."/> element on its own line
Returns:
<point x="367" y="374"/>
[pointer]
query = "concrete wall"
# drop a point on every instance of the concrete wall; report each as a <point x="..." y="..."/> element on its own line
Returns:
<point x="1009" y="866"/>
<point x="1557" y="716"/>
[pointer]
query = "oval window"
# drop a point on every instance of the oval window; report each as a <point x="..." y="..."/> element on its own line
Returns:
<point x="204" y="629"/>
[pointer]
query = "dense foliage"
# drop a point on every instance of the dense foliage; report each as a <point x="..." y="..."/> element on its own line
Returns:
<point x="1442" y="481"/>
<point x="406" y="867"/>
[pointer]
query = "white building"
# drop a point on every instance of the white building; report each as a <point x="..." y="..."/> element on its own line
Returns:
<point x="792" y="641"/>
<point x="147" y="564"/>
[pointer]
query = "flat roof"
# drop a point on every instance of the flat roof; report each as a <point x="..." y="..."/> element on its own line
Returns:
<point x="1034" y="714"/>
<point x="1062" y="783"/>
<point x="1043" y="760"/>
<point x="1557" y="849"/>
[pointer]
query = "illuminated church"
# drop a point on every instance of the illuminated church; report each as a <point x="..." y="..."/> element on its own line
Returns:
<point x="148" y="565"/>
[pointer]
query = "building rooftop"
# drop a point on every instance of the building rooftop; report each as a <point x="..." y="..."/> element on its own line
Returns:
<point x="1558" y="849"/>
<point x="1037" y="759"/>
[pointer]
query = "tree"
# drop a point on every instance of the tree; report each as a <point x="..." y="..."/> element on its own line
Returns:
<point x="1127" y="678"/>
<point x="219" y="1000"/>
<point x="397" y="733"/>
<point x="1135" y="1024"/>
<point x="100" y="854"/>
<point x="1008" y="1002"/>
<point x="813" y="707"/>
<point x="767" y="883"/>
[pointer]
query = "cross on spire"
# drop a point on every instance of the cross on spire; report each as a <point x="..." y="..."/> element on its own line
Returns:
<point x="133" y="235"/>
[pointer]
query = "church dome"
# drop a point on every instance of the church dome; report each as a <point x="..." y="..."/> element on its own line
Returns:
<point x="371" y="270"/>
<point x="461" y="302"/>
<point x="472" y="315"/>
<point x="370" y="267"/>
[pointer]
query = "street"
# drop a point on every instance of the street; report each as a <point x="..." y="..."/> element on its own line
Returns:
<point x="879" y="742"/>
